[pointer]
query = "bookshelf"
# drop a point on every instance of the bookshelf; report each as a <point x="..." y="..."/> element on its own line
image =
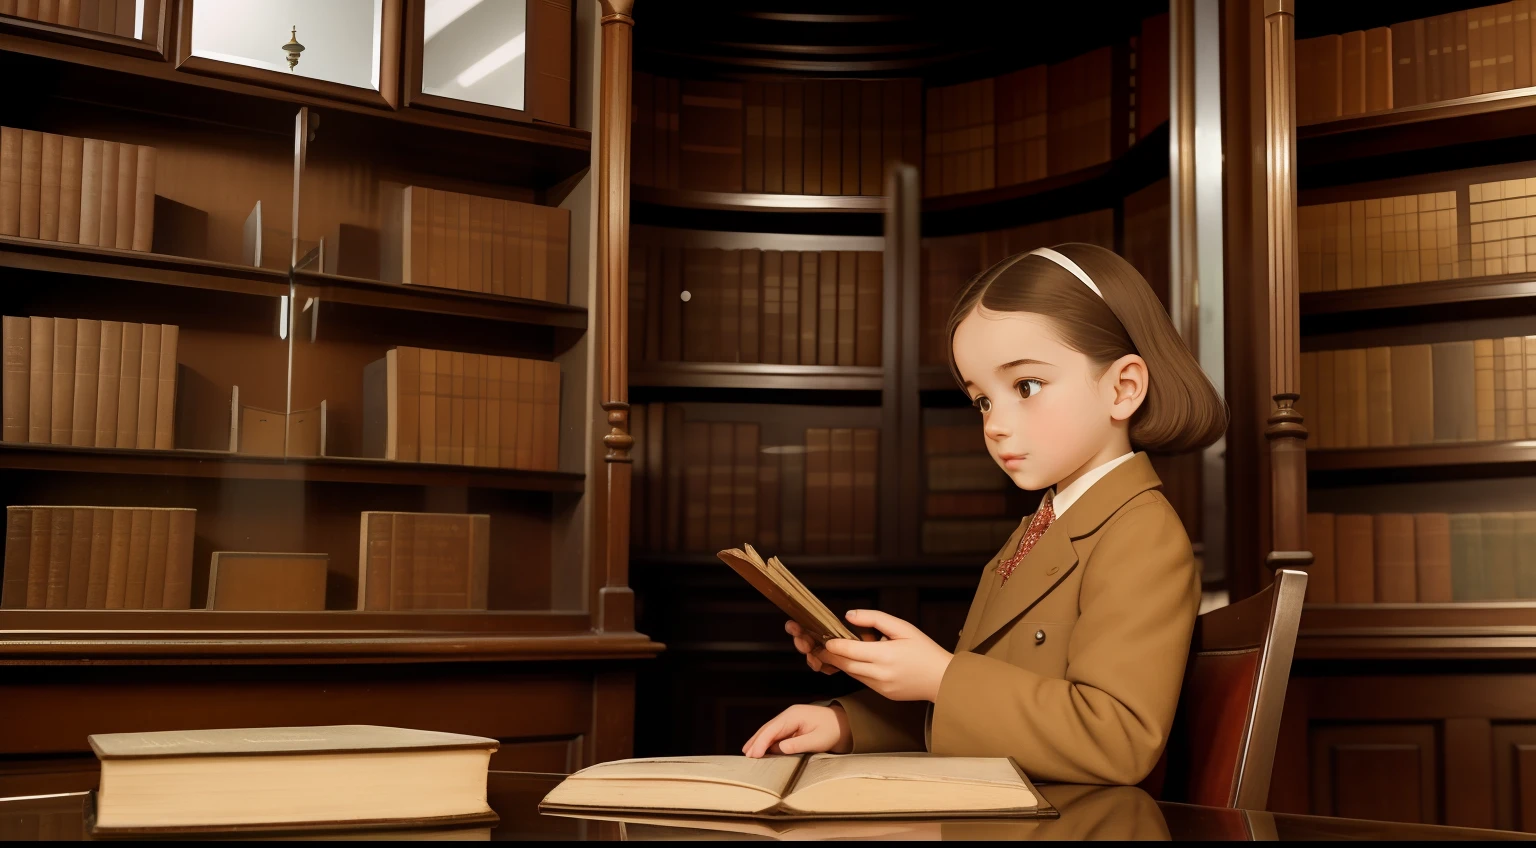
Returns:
<point x="294" y="343"/>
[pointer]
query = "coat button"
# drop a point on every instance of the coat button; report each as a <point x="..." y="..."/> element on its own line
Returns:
<point x="1052" y="570"/>
<point x="1039" y="637"/>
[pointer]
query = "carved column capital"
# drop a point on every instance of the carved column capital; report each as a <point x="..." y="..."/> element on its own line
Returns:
<point x="618" y="11"/>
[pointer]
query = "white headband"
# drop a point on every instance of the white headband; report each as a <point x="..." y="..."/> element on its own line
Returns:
<point x="1069" y="265"/>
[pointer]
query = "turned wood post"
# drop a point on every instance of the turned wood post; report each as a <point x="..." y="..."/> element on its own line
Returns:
<point x="616" y="601"/>
<point x="1286" y="432"/>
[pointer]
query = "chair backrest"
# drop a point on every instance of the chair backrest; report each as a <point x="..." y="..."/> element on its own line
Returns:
<point x="1223" y="741"/>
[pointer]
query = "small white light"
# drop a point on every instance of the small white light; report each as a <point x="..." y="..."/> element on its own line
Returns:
<point x="686" y="296"/>
<point x="282" y="317"/>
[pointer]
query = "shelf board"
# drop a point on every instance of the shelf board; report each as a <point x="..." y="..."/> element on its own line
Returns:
<point x="440" y="301"/>
<point x="820" y="562"/>
<point x="1481" y="117"/>
<point x="27" y="254"/>
<point x="1472" y="630"/>
<point x="1442" y="460"/>
<point x="1496" y="291"/>
<point x="725" y="201"/>
<point x="219" y="464"/>
<point x="755" y="375"/>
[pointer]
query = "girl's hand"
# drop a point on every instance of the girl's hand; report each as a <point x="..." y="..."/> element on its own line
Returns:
<point x="804" y="645"/>
<point x="801" y="729"/>
<point x="905" y="666"/>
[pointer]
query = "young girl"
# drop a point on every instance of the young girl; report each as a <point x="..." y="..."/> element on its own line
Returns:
<point x="1073" y="651"/>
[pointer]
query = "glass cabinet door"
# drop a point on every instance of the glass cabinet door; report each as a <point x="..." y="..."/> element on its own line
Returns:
<point x="475" y="51"/>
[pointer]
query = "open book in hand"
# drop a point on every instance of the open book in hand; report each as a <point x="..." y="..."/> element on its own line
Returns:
<point x="805" y="786"/>
<point x="790" y="595"/>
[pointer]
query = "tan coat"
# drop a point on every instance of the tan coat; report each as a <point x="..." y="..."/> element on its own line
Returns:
<point x="1073" y="666"/>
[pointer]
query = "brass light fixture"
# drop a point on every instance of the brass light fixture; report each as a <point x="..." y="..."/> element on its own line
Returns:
<point x="293" y="48"/>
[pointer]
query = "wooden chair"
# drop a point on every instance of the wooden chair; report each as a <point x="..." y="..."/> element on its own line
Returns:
<point x="1223" y="741"/>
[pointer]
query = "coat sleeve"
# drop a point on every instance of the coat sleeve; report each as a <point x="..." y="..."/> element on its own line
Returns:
<point x="1108" y="720"/>
<point x="879" y="724"/>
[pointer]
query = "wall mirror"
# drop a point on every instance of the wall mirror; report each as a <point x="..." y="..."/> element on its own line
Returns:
<point x="476" y="51"/>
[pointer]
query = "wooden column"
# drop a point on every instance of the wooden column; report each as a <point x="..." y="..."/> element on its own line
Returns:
<point x="616" y="601"/>
<point x="1286" y="432"/>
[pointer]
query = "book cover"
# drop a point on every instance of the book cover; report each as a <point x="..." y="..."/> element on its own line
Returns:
<point x="444" y="411"/>
<point x="18" y="557"/>
<point x="374" y="590"/>
<point x="180" y="538"/>
<point x="87" y="361"/>
<point x="130" y="364"/>
<point x="1396" y="572"/>
<point x="15" y="381"/>
<point x="149" y="386"/>
<point x="100" y="558"/>
<point x="61" y="417"/>
<point x="1378" y="69"/>
<point x="165" y="388"/>
<point x="40" y="382"/>
<point x="77" y="581"/>
<point x="426" y="408"/>
<point x="92" y="158"/>
<point x="50" y="175"/>
<point x="10" y="181"/>
<point x="31" y="182"/>
<point x="474" y="407"/>
<point x="1320" y="575"/>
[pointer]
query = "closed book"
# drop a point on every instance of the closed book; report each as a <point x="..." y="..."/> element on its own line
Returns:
<point x="1378" y="391"/>
<point x="100" y="558"/>
<point x="61" y="531"/>
<point x="728" y="331"/>
<point x="31" y="182"/>
<point x="866" y="490"/>
<point x="1351" y="370"/>
<point x="1413" y="410"/>
<point x="87" y="361"/>
<point x="1378" y="69"/>
<point x="156" y="559"/>
<point x="40" y="393"/>
<point x="1432" y="60"/>
<point x="1499" y="551"/>
<point x="832" y="137"/>
<point x="1396" y="574"/>
<point x="61" y="417"/>
<point x="109" y="363"/>
<point x="1484" y="388"/>
<point x="10" y="181"/>
<point x="142" y="234"/>
<point x="1405" y="80"/>
<point x="1525" y="554"/>
<point x="818" y="470"/>
<point x="1468" y="558"/>
<point x="841" y="494"/>
<point x="443" y="414"/>
<point x="426" y="408"/>
<point x="789" y="311"/>
<point x="165" y="389"/>
<point x="272" y="581"/>
<point x="526" y="425"/>
<point x="474" y="407"/>
<point x="149" y="386"/>
<point x="810" y="307"/>
<point x="16" y="379"/>
<point x="1432" y="556"/>
<point x="847" y="307"/>
<point x="117" y="558"/>
<point x="1352" y="72"/>
<point x="753" y="333"/>
<point x="39" y="555"/>
<point x="743" y="500"/>
<point x="1321" y="574"/>
<point x="1522" y="43"/>
<point x="92" y="157"/>
<point x="375" y="561"/>
<point x="111" y="160"/>
<point x="138" y="558"/>
<point x="869" y="314"/>
<point x="852" y="112"/>
<point x="18" y="557"/>
<point x="50" y="174"/>
<point x="181" y="537"/>
<point x="1455" y="398"/>
<point x="130" y="364"/>
<point x="1459" y="85"/>
<point x="78" y="582"/>
<point x="1354" y="559"/>
<point x="1504" y="31"/>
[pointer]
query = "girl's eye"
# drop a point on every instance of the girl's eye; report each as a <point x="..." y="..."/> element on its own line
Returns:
<point x="983" y="403"/>
<point x="1028" y="388"/>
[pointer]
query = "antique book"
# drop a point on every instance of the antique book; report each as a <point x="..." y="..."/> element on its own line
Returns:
<point x="130" y="365"/>
<point x="1353" y="72"/>
<point x="15" y="381"/>
<point x="92" y="154"/>
<point x="830" y="328"/>
<point x="10" y="181"/>
<point x="49" y="176"/>
<point x="778" y="585"/>
<point x="100" y="558"/>
<point x="1413" y="410"/>
<point x="267" y="581"/>
<point x="18" y="557"/>
<point x="1407" y="77"/>
<point x="111" y="159"/>
<point x="61" y="418"/>
<point x="39" y="379"/>
<point x="1378" y="69"/>
<point x="807" y="786"/>
<point x="1432" y="557"/>
<point x="149" y="386"/>
<point x="31" y="182"/>
<point x="77" y="582"/>
<point x="87" y="361"/>
<point x="61" y="530"/>
<point x="426" y="561"/>
<point x="292" y="777"/>
<point x="1396" y="578"/>
<point x="127" y="183"/>
<point x="1354" y="559"/>
<point x="69" y="189"/>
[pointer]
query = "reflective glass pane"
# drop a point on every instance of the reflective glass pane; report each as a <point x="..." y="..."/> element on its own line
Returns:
<point x="339" y="38"/>
<point x="476" y="50"/>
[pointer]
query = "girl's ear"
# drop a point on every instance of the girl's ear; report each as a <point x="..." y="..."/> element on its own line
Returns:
<point x="1126" y="378"/>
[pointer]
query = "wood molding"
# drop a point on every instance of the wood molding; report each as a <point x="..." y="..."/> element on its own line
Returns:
<point x="1185" y="285"/>
<point x="1285" y="431"/>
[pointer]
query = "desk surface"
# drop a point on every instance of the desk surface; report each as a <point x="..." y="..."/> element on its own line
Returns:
<point x="1087" y="812"/>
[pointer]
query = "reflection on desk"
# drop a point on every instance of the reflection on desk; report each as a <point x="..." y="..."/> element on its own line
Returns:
<point x="1087" y="812"/>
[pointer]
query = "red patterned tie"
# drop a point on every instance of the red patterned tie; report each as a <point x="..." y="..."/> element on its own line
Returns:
<point x="1037" y="527"/>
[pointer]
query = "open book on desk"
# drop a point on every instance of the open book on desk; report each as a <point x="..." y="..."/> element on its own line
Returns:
<point x="778" y="585"/>
<point x="805" y="786"/>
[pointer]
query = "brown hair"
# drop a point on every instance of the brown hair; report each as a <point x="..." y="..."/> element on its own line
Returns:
<point x="1182" y="410"/>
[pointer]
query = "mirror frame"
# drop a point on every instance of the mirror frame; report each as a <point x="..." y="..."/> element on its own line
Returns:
<point x="389" y="64"/>
<point x="546" y="94"/>
<point x="152" y="46"/>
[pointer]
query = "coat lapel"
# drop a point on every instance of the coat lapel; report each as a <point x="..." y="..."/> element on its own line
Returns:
<point x="1054" y="557"/>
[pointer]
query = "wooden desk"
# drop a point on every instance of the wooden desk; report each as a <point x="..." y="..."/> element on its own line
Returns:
<point x="1087" y="812"/>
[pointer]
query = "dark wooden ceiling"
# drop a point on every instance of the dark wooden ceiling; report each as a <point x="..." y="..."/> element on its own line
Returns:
<point x="938" y="40"/>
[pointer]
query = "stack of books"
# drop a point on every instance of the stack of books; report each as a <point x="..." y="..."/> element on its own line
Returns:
<point x="1385" y="241"/>
<point x="1421" y="558"/>
<point x="423" y="560"/>
<point x="483" y="244"/>
<point x="76" y="190"/>
<point x="91" y="557"/>
<point x="89" y="383"/>
<point x="780" y="307"/>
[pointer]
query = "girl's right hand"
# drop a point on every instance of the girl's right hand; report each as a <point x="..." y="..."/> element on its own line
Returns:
<point x="802" y="729"/>
<point x="804" y="645"/>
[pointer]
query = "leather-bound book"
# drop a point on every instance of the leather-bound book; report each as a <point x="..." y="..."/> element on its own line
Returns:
<point x="1457" y="84"/>
<point x="511" y="399"/>
<point x="866" y="488"/>
<point x="852" y="114"/>
<point x="130" y="366"/>
<point x="524" y="412"/>
<point x="18" y="557"/>
<point x="40" y="391"/>
<point x="92" y="160"/>
<point x="448" y="561"/>
<point x="1352" y="73"/>
<point x="109" y="365"/>
<point x="444" y="407"/>
<point x="1455" y="398"/>
<point x="1432" y="556"/>
<point x="794" y="138"/>
<point x="1504" y="31"/>
<point x="100" y="559"/>
<point x="490" y="455"/>
<point x="475" y="275"/>
<point x="772" y="282"/>
<point x="111" y="160"/>
<point x="1321" y="574"/>
<point x="840" y="491"/>
<point x="61" y="531"/>
<point x="426" y="407"/>
<point x="1378" y="69"/>
<point x="270" y="581"/>
<point x="1396" y="575"/>
<point x="50" y="173"/>
<point x="31" y="182"/>
<point x="85" y="384"/>
<point x="743" y="500"/>
<point x="16" y="379"/>
<point x="39" y="556"/>
<point x="778" y="585"/>
<point x="1432" y="60"/>
<point x="127" y="185"/>
<point x="1379" y="395"/>
<point x="165" y="388"/>
<point x="750" y="341"/>
<point x="1469" y="580"/>
<point x="375" y="563"/>
<point x="474" y="407"/>
<point x="155" y="561"/>
<point x="10" y="181"/>
<point x="1358" y="398"/>
<point x="177" y="580"/>
<point x="1413" y="409"/>
<point x="1406" y="90"/>
<point x="118" y="554"/>
<point x="1499" y="549"/>
<point x="138" y="559"/>
<point x="868" y="312"/>
<point x="813" y="148"/>
<point x="1354" y="559"/>
<point x="61" y="417"/>
<point x="142" y="234"/>
<point x="1522" y="43"/>
<point x="77" y="582"/>
<point x="149" y="387"/>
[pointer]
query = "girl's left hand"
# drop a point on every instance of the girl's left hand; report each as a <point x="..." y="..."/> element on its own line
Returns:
<point x="905" y="666"/>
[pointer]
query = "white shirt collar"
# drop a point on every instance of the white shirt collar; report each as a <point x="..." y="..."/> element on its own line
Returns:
<point x="1063" y="500"/>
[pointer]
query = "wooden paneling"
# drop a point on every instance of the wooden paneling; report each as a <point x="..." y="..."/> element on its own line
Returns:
<point x="1370" y="771"/>
<point x="1514" y="776"/>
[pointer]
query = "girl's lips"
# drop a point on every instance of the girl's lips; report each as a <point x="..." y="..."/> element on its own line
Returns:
<point x="1011" y="460"/>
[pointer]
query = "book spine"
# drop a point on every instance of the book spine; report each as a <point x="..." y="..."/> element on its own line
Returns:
<point x="1396" y="573"/>
<point x="165" y="389"/>
<point x="100" y="558"/>
<point x="16" y="377"/>
<point x="87" y="361"/>
<point x="1321" y="574"/>
<point x="789" y="308"/>
<point x="527" y="412"/>
<point x="869" y="310"/>
<point x="1432" y="557"/>
<point x="1499" y="549"/>
<point x="1378" y="69"/>
<point x="37" y="563"/>
<point x="61" y="521"/>
<point x="1405" y="90"/>
<point x="61" y="415"/>
<point x="111" y="160"/>
<point x="156" y="559"/>
<point x="50" y="173"/>
<point x="40" y="382"/>
<point x="142" y="235"/>
<point x="827" y="331"/>
<point x="31" y="182"/>
<point x="1353" y="73"/>
<point x="727" y="269"/>
<point x="1354" y="559"/>
<point x="426" y="413"/>
<point x="92" y="155"/>
<point x="474" y="420"/>
<point x="108" y="366"/>
<point x="405" y="408"/>
<point x="810" y="307"/>
<point x="77" y="580"/>
<point x="149" y="386"/>
<point x="402" y="561"/>
<point x="374" y="590"/>
<point x="10" y="181"/>
<point x="831" y="138"/>
<point x="18" y="557"/>
<point x="181" y="537"/>
<point x="117" y="558"/>
<point x="130" y="364"/>
<point x="1379" y="396"/>
<point x="753" y="333"/>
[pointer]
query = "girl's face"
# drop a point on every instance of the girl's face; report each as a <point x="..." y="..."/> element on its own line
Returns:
<point x="1048" y="413"/>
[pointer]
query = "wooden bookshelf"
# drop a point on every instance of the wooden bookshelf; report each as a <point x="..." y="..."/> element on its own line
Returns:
<point x="1464" y="459"/>
<point x="1479" y="118"/>
<point x="767" y="203"/>
<point x="1444" y="301"/>
<point x="751" y="375"/>
<point x="432" y="300"/>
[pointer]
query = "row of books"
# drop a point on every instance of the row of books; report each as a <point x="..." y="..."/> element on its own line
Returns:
<point x="463" y="409"/>
<point x="114" y="17"/>
<point x="1387" y="241"/>
<point x="782" y="307"/>
<point x="1417" y="394"/>
<point x="829" y="137"/>
<point x="701" y="486"/>
<point x="1503" y="227"/>
<point x="1427" y="60"/>
<point x="1421" y="558"/>
<point x="76" y="190"/>
<point x="484" y="244"/>
<point x="951" y="261"/>
<point x="88" y="383"/>
<point x="90" y="557"/>
<point x="965" y="505"/>
<point x="423" y="560"/>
